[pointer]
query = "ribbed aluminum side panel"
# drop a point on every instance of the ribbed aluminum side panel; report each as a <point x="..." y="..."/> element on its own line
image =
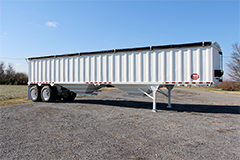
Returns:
<point x="158" y="66"/>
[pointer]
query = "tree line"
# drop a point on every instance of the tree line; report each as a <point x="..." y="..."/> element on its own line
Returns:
<point x="9" y="76"/>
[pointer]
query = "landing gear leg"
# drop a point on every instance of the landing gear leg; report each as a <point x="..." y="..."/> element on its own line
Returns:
<point x="169" y="87"/>
<point x="154" y="98"/>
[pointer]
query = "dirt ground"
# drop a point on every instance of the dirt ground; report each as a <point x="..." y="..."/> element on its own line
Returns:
<point x="200" y="125"/>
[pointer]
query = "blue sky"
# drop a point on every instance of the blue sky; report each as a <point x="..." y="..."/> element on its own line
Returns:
<point x="38" y="28"/>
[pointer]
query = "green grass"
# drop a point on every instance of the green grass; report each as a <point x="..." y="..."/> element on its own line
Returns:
<point x="211" y="89"/>
<point x="13" y="94"/>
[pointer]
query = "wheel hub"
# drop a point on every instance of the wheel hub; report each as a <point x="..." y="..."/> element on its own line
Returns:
<point x="34" y="94"/>
<point x="46" y="94"/>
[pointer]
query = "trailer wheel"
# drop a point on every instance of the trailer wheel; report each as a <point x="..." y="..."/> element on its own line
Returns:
<point x="47" y="94"/>
<point x="35" y="93"/>
<point x="70" y="96"/>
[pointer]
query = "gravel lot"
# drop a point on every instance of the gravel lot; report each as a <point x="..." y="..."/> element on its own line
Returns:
<point x="201" y="125"/>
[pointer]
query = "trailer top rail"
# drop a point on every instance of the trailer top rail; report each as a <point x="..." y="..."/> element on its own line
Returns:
<point x="186" y="45"/>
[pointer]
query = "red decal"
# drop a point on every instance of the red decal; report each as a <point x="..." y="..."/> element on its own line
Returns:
<point x="194" y="76"/>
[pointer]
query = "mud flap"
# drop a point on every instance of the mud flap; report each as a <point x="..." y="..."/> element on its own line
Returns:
<point x="28" y="96"/>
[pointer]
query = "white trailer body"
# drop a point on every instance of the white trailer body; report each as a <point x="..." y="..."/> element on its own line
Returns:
<point x="137" y="71"/>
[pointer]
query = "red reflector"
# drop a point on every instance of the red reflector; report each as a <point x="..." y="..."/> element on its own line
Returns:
<point x="105" y="82"/>
<point x="208" y="82"/>
<point x="200" y="82"/>
<point x="95" y="82"/>
<point x="109" y="82"/>
<point x="52" y="82"/>
<point x="186" y="82"/>
<point x="193" y="82"/>
<point x="167" y="82"/>
<point x="91" y="82"/>
<point x="86" y="82"/>
<point x="100" y="82"/>
<point x="179" y="82"/>
<point x="194" y="76"/>
<point x="173" y="82"/>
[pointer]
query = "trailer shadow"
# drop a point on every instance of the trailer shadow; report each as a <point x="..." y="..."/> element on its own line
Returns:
<point x="162" y="106"/>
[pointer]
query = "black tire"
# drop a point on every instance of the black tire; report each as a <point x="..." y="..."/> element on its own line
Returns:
<point x="34" y="93"/>
<point x="56" y="96"/>
<point x="70" y="96"/>
<point x="47" y="94"/>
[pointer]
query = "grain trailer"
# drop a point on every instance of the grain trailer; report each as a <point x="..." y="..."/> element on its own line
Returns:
<point x="137" y="71"/>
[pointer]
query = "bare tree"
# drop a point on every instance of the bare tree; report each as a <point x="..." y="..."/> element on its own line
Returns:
<point x="10" y="71"/>
<point x="2" y="67"/>
<point x="234" y="64"/>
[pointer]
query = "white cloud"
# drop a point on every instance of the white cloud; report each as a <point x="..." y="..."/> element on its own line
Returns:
<point x="51" y="24"/>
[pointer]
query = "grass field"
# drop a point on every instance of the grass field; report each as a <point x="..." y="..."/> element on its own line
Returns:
<point x="211" y="89"/>
<point x="13" y="94"/>
<point x="17" y="94"/>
